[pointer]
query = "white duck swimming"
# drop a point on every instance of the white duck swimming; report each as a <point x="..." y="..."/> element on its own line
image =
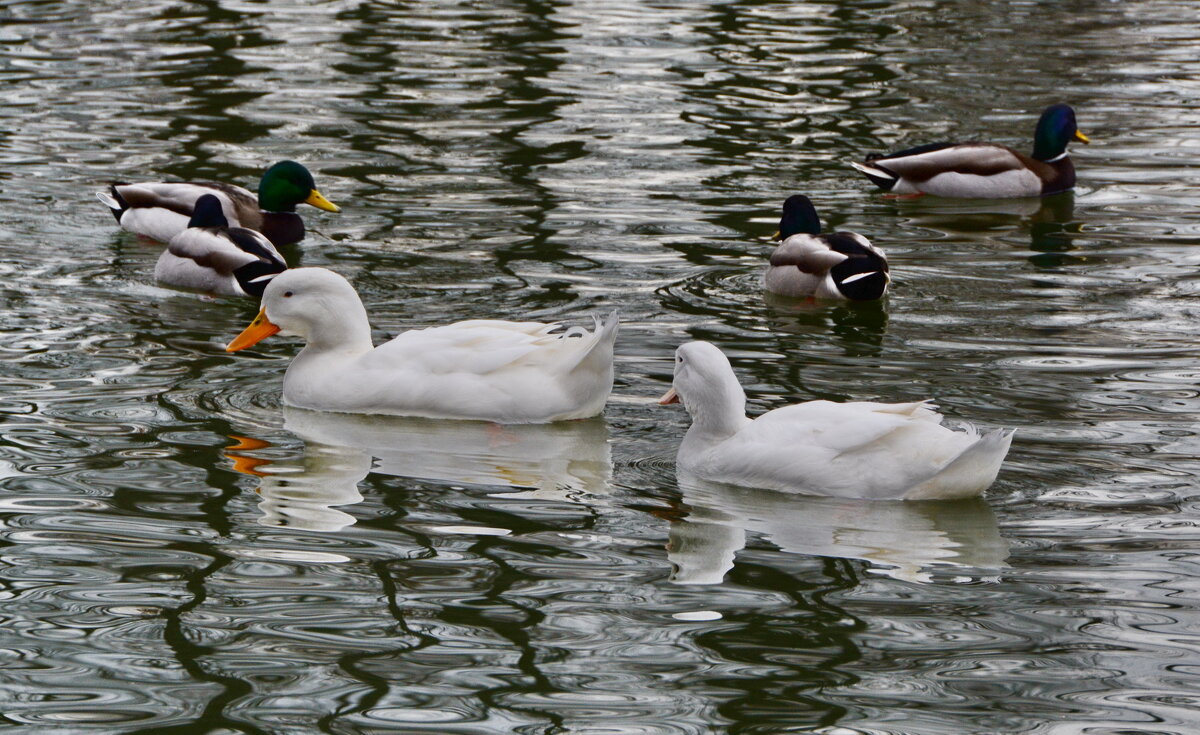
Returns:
<point x="859" y="450"/>
<point x="212" y="257"/>
<point x="160" y="211"/>
<point x="509" y="372"/>
<point x="839" y="265"/>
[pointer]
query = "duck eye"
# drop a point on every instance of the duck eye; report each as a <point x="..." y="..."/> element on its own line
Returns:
<point x="287" y="294"/>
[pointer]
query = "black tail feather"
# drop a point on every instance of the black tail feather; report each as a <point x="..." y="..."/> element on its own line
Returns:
<point x="112" y="189"/>
<point x="882" y="182"/>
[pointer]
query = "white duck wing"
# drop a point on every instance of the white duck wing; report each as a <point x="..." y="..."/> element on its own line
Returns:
<point x="839" y="428"/>
<point x="517" y="372"/>
<point x="969" y="473"/>
<point x="809" y="253"/>
<point x="479" y="347"/>
<point x="484" y="346"/>
<point x="848" y="449"/>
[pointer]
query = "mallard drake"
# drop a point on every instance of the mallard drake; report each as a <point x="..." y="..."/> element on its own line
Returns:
<point x="212" y="257"/>
<point x="860" y="449"/>
<point x="161" y="211"/>
<point x="840" y="265"/>
<point x="509" y="372"/>
<point x="984" y="170"/>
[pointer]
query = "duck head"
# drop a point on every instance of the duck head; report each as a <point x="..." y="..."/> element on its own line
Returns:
<point x="799" y="216"/>
<point x="315" y="304"/>
<point x="287" y="184"/>
<point x="207" y="213"/>
<point x="705" y="384"/>
<point x="1055" y="130"/>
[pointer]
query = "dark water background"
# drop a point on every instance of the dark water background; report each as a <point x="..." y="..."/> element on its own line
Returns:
<point x="550" y="160"/>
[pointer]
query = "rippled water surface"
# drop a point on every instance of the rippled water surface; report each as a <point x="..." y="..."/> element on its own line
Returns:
<point x="182" y="555"/>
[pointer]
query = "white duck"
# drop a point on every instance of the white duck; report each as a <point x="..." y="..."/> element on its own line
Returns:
<point x="509" y="372"/>
<point x="839" y="265"/>
<point x="212" y="257"/>
<point x="860" y="449"/>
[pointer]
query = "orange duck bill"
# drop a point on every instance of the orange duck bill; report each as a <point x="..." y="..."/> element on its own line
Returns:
<point x="669" y="397"/>
<point x="258" y="330"/>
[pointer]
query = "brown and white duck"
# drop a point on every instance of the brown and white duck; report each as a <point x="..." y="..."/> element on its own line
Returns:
<point x="160" y="211"/>
<point x="212" y="257"/>
<point x="983" y="170"/>
<point x="839" y="265"/>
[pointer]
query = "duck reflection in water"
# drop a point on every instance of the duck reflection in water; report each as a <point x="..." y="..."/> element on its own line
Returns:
<point x="1052" y="233"/>
<point x="1051" y="222"/>
<point x="858" y="328"/>
<point x="900" y="539"/>
<point x="549" y="461"/>
<point x="303" y="495"/>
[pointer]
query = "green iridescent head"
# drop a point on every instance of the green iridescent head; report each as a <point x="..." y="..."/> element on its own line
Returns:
<point x="1055" y="130"/>
<point x="287" y="184"/>
<point x="799" y="215"/>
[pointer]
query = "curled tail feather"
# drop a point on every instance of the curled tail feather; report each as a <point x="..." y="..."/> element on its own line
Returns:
<point x="113" y="200"/>
<point x="881" y="177"/>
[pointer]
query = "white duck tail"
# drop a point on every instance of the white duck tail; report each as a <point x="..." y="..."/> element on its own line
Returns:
<point x="971" y="472"/>
<point x="599" y="354"/>
<point x="589" y="372"/>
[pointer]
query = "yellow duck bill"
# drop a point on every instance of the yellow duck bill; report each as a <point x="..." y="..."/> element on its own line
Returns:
<point x="259" y="329"/>
<point x="316" y="199"/>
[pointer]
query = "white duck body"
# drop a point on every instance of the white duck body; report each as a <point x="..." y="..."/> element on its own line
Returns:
<point x="860" y="449"/>
<point x="492" y="370"/>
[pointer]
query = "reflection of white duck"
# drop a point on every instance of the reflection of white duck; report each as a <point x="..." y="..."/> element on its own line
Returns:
<point x="852" y="450"/>
<point x="487" y="369"/>
<point x="901" y="538"/>
<point x="304" y="498"/>
<point x="555" y="459"/>
<point x="552" y="461"/>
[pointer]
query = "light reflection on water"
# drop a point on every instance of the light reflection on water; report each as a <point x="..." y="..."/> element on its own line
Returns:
<point x="551" y="160"/>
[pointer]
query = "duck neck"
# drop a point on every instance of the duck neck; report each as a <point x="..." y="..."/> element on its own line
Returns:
<point x="1063" y="177"/>
<point x="349" y="335"/>
<point x="282" y="228"/>
<point x="719" y="412"/>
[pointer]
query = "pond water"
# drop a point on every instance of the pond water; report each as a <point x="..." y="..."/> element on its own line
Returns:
<point x="182" y="555"/>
